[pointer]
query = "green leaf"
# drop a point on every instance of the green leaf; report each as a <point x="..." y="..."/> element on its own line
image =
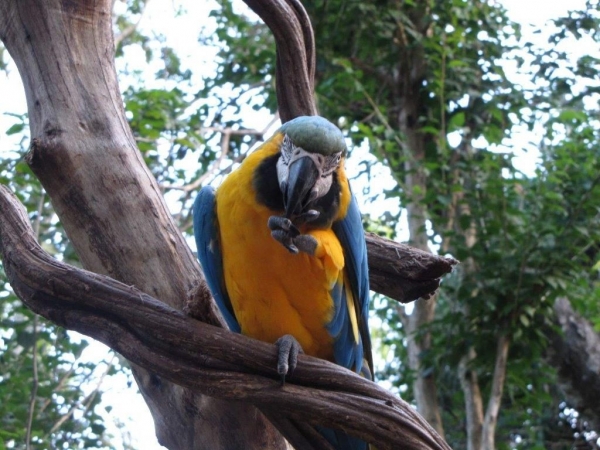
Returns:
<point x="457" y="120"/>
<point x="15" y="129"/>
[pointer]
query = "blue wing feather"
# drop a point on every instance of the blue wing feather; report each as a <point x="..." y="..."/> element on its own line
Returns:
<point x="347" y="352"/>
<point x="206" y="232"/>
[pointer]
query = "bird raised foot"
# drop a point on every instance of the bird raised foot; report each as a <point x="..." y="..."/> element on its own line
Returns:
<point x="287" y="234"/>
<point x="287" y="357"/>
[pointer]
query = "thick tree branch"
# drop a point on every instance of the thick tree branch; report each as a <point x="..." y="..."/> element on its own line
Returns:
<point x="111" y="207"/>
<point x="199" y="356"/>
<point x="402" y="272"/>
<point x="109" y="203"/>
<point x="294" y="38"/>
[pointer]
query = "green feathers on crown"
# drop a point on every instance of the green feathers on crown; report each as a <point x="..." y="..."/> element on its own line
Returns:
<point x="315" y="134"/>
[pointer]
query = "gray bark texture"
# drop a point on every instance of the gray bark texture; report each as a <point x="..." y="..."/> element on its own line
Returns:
<point x="575" y="352"/>
<point x="85" y="156"/>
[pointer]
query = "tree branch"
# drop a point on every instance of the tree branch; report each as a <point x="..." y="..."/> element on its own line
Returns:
<point x="131" y="28"/>
<point x="215" y="166"/>
<point x="199" y="356"/>
<point x="402" y="272"/>
<point x="295" y="75"/>
<point x="111" y="207"/>
<point x="86" y="403"/>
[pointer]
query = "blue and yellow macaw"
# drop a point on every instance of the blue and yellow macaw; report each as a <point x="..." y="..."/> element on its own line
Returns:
<point x="283" y="251"/>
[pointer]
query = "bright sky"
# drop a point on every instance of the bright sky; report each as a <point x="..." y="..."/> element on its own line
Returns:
<point x="182" y="32"/>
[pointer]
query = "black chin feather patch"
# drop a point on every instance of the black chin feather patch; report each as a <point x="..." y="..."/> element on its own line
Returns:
<point x="268" y="193"/>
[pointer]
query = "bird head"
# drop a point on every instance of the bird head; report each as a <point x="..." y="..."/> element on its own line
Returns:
<point x="311" y="151"/>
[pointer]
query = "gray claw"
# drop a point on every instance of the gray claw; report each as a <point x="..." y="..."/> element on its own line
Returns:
<point x="309" y="216"/>
<point x="284" y="239"/>
<point x="276" y="222"/>
<point x="287" y="357"/>
<point x="283" y="223"/>
<point x="288" y="235"/>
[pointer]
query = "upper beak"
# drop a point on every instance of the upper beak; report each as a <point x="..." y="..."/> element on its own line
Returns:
<point x="302" y="176"/>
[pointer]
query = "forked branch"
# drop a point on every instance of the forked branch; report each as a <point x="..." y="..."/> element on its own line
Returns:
<point x="294" y="38"/>
<point x="199" y="356"/>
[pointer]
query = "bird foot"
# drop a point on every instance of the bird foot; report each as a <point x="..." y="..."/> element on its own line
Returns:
<point x="287" y="358"/>
<point x="288" y="235"/>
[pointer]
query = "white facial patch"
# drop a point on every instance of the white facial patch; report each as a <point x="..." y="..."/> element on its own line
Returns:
<point x="325" y="165"/>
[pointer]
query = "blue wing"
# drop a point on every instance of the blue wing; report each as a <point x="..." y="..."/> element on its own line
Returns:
<point x="206" y="232"/>
<point x="355" y="283"/>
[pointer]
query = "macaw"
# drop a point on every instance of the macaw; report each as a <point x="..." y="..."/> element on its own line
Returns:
<point x="283" y="251"/>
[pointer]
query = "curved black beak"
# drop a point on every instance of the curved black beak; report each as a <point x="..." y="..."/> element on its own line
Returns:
<point x="302" y="176"/>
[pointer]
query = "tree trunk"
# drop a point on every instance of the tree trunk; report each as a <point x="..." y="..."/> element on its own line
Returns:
<point x="85" y="156"/>
<point x="469" y="383"/>
<point x="490" y="421"/>
<point x="575" y="352"/>
<point x="409" y="88"/>
<point x="424" y="386"/>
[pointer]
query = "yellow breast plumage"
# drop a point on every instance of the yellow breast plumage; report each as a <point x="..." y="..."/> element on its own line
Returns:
<point x="272" y="291"/>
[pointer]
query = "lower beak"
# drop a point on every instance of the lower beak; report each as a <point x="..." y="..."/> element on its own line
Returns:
<point x="302" y="176"/>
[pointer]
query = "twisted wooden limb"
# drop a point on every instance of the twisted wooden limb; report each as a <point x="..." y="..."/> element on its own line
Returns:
<point x="295" y="73"/>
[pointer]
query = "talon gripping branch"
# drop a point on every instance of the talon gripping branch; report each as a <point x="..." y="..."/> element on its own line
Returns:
<point x="282" y="247"/>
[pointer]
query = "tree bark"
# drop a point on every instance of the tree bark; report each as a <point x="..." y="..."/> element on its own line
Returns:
<point x="469" y="383"/>
<point x="575" y="352"/>
<point x="295" y="77"/>
<point x="491" y="413"/>
<point x="403" y="272"/>
<point x="424" y="386"/>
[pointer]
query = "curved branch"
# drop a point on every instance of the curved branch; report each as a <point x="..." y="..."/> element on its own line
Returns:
<point x="290" y="24"/>
<point x="199" y="356"/>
